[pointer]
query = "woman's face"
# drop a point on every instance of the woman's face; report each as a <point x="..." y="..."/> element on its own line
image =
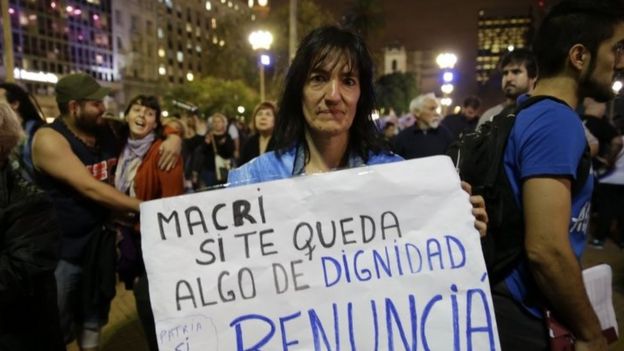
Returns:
<point x="330" y="96"/>
<point x="141" y="121"/>
<point x="265" y="121"/>
<point x="218" y="125"/>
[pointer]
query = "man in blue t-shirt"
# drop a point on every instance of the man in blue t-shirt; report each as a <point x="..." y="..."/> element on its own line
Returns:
<point x="579" y="48"/>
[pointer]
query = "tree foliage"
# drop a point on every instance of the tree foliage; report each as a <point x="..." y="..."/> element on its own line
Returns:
<point x="395" y="91"/>
<point x="365" y="17"/>
<point x="214" y="95"/>
<point x="309" y="17"/>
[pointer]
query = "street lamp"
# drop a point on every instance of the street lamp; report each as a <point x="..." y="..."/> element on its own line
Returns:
<point x="261" y="41"/>
<point x="446" y="61"/>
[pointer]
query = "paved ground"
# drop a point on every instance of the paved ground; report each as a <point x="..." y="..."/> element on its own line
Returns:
<point x="124" y="332"/>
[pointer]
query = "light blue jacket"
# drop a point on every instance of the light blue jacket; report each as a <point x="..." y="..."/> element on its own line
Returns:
<point x="269" y="166"/>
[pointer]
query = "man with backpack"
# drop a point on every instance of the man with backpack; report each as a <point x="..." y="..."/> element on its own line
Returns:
<point x="579" y="48"/>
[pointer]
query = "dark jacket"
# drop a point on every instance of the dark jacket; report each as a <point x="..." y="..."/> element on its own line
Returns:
<point x="29" y="240"/>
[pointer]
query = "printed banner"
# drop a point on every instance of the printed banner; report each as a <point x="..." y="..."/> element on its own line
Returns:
<point x="374" y="258"/>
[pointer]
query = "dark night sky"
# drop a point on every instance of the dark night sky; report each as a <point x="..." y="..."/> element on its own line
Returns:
<point x="439" y="25"/>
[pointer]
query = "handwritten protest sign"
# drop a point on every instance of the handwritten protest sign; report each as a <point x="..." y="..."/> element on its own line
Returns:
<point x="373" y="258"/>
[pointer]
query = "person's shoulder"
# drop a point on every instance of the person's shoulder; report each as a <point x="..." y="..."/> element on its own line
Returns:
<point x="268" y="166"/>
<point x="383" y="157"/>
<point x="406" y="132"/>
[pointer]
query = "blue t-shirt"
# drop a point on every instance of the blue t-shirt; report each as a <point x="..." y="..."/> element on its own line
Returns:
<point x="547" y="139"/>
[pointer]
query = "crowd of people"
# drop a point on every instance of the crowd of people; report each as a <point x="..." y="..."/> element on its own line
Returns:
<point x="71" y="189"/>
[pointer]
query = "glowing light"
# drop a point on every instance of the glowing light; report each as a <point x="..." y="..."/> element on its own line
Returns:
<point x="511" y="48"/>
<point x="162" y="70"/>
<point x="240" y="109"/>
<point x="45" y="77"/>
<point x="375" y="115"/>
<point x="250" y="3"/>
<point x="447" y="88"/>
<point x="446" y="60"/>
<point x="208" y="6"/>
<point x="448" y="77"/>
<point x="447" y="101"/>
<point x="617" y="86"/>
<point x="265" y="59"/>
<point x="263" y="3"/>
<point x="190" y="76"/>
<point x="11" y="11"/>
<point x="165" y="113"/>
<point x="69" y="9"/>
<point x="96" y="17"/>
<point x="161" y="52"/>
<point x="261" y="39"/>
<point x="53" y="5"/>
<point x="77" y="12"/>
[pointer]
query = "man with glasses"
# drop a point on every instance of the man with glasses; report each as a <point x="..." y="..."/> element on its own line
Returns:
<point x="578" y="52"/>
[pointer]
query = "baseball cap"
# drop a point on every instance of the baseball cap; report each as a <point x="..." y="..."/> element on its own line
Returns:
<point x="79" y="86"/>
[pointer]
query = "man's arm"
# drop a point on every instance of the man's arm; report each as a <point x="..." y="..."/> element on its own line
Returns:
<point x="53" y="156"/>
<point x="547" y="209"/>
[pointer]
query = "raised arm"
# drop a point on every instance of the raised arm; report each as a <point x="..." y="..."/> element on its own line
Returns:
<point x="52" y="155"/>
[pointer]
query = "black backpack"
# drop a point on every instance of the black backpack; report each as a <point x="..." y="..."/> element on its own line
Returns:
<point x="478" y="157"/>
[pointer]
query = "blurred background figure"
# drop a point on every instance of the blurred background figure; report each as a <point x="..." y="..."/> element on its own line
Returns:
<point x="466" y="120"/>
<point x="29" y="239"/>
<point x="211" y="159"/>
<point x="263" y="122"/>
<point x="29" y="114"/>
<point x="518" y="75"/>
<point x="426" y="137"/>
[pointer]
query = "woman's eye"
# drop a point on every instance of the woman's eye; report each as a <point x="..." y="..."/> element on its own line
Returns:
<point x="317" y="78"/>
<point x="350" y="81"/>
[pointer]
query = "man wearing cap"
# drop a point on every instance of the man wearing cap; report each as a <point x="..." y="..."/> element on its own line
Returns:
<point x="74" y="159"/>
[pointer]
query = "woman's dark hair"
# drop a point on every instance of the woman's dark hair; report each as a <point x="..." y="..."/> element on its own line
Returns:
<point x="27" y="108"/>
<point x="148" y="101"/>
<point x="264" y="105"/>
<point x="319" y="45"/>
<point x="570" y="22"/>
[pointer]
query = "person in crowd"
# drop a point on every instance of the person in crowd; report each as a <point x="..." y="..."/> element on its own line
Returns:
<point x="466" y="120"/>
<point x="29" y="235"/>
<point x="389" y="132"/>
<point x="426" y="137"/>
<point x="263" y="123"/>
<point x="138" y="176"/>
<point x="519" y="73"/>
<point x="31" y="119"/>
<point x="234" y="133"/>
<point x="192" y="139"/>
<point x="578" y="49"/>
<point x="609" y="147"/>
<point x="324" y="117"/>
<point x="211" y="158"/>
<point x="74" y="159"/>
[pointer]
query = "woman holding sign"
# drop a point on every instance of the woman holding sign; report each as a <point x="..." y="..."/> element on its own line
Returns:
<point x="324" y="118"/>
<point x="138" y="175"/>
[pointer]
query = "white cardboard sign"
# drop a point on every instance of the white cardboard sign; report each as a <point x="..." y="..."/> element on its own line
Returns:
<point x="374" y="258"/>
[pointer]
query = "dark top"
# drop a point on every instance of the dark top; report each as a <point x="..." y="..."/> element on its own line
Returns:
<point x="29" y="239"/>
<point x="204" y="157"/>
<point x="251" y="149"/>
<point x="188" y="147"/>
<point x="458" y="123"/>
<point x="602" y="130"/>
<point x="414" y="142"/>
<point x="77" y="215"/>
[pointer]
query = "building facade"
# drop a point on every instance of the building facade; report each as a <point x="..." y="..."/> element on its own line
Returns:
<point x="132" y="46"/>
<point x="499" y="33"/>
<point x="420" y="63"/>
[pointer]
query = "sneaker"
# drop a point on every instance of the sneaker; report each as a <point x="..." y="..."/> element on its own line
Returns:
<point x="597" y="244"/>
